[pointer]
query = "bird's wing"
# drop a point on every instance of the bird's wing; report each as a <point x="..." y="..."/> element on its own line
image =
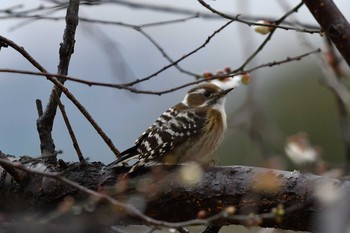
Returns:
<point x="171" y="129"/>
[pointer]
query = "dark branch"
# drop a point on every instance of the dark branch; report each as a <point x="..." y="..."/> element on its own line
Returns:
<point x="334" y="24"/>
<point x="45" y="121"/>
<point x="224" y="195"/>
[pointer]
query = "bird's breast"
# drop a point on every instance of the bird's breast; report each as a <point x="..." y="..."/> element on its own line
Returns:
<point x="201" y="148"/>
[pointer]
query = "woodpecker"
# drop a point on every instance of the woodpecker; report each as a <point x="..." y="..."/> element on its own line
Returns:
<point x="189" y="131"/>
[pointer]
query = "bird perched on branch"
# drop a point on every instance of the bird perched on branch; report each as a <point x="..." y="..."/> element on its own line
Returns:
<point x="189" y="131"/>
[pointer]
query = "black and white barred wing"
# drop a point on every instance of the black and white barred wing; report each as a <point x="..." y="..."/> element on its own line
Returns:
<point x="173" y="128"/>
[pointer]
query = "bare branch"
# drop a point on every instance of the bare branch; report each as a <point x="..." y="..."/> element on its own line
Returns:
<point x="134" y="90"/>
<point x="263" y="44"/>
<point x="334" y="24"/>
<point x="249" y="23"/>
<point x="161" y="50"/>
<point x="182" y="58"/>
<point x="45" y="121"/>
<point x="70" y="131"/>
<point x="162" y="23"/>
<point x="69" y="95"/>
<point x="244" y="19"/>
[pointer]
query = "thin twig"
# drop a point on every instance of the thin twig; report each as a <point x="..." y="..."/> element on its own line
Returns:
<point x="139" y="29"/>
<point x="244" y="19"/>
<point x="237" y="18"/>
<point x="247" y="20"/>
<point x="134" y="90"/>
<point x="161" y="50"/>
<point x="249" y="23"/>
<point x="71" y="132"/>
<point x="267" y="39"/>
<point x="182" y="58"/>
<point x="41" y="11"/>
<point x="162" y="23"/>
<point x="69" y="95"/>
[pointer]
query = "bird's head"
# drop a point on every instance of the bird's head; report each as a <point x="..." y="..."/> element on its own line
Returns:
<point x="205" y="95"/>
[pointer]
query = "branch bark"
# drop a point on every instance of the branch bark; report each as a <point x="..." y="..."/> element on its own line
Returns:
<point x="254" y="193"/>
<point x="334" y="24"/>
<point x="45" y="121"/>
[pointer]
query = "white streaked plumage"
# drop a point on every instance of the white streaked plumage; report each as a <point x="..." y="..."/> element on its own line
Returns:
<point x="189" y="131"/>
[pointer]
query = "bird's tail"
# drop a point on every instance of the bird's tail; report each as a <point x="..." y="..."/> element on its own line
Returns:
<point x="109" y="170"/>
<point x="123" y="158"/>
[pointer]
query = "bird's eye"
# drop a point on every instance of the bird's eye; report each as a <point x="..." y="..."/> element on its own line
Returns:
<point x="207" y="93"/>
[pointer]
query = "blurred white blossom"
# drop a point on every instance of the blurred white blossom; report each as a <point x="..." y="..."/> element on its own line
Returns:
<point x="299" y="149"/>
<point x="231" y="82"/>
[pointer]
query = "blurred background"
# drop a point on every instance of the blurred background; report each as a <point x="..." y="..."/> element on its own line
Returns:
<point x="279" y="102"/>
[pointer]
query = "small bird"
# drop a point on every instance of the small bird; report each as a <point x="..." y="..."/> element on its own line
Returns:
<point x="189" y="131"/>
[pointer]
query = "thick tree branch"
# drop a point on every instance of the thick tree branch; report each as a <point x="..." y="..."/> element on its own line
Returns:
<point x="224" y="195"/>
<point x="334" y="24"/>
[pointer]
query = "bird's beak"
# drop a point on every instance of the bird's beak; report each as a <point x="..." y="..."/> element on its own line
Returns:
<point x="221" y="94"/>
<point x="224" y="92"/>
